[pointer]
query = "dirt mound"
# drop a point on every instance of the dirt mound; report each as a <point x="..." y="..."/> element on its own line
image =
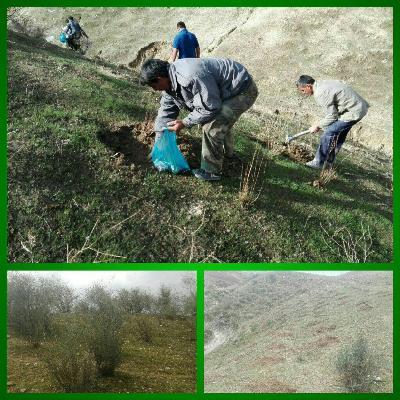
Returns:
<point x="296" y="152"/>
<point x="191" y="149"/>
<point x="130" y="144"/>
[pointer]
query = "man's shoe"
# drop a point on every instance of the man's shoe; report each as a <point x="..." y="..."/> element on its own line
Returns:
<point x="314" y="164"/>
<point x="329" y="165"/>
<point x="205" y="175"/>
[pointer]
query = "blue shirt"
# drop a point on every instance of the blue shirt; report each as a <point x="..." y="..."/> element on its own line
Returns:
<point x="186" y="43"/>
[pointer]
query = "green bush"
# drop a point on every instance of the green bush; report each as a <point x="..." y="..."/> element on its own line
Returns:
<point x="104" y="325"/>
<point x="145" y="328"/>
<point x="71" y="364"/>
<point x="30" y="307"/>
<point x="355" y="366"/>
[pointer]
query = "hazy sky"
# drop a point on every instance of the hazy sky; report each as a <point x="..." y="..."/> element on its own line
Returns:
<point x="151" y="280"/>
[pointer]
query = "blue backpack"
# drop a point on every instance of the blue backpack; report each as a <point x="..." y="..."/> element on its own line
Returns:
<point x="166" y="155"/>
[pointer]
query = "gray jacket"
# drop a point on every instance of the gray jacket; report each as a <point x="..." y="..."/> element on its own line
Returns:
<point x="200" y="85"/>
<point x="340" y="101"/>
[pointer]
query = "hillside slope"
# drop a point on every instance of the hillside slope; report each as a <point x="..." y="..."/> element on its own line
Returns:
<point x="82" y="189"/>
<point x="352" y="44"/>
<point x="282" y="331"/>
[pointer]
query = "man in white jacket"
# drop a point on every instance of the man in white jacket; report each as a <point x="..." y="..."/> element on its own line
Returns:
<point x="344" y="107"/>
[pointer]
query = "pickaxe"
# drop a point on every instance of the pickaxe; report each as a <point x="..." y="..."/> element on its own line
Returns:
<point x="289" y="138"/>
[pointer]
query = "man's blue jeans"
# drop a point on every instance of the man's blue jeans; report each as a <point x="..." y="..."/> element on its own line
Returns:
<point x="332" y="140"/>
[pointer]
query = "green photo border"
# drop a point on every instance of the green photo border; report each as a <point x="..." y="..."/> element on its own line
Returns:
<point x="200" y="268"/>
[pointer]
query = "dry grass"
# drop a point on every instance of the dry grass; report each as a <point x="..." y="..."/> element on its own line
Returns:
<point x="88" y="245"/>
<point x="252" y="182"/>
<point x="352" y="248"/>
<point x="327" y="175"/>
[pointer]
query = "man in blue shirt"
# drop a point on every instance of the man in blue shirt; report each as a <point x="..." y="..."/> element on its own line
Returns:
<point x="185" y="44"/>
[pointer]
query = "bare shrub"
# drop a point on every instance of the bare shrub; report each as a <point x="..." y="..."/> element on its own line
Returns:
<point x="327" y="175"/>
<point x="252" y="174"/>
<point x="355" y="365"/>
<point x="352" y="248"/>
<point x="71" y="364"/>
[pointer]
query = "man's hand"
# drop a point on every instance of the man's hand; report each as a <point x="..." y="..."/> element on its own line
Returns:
<point x="314" y="129"/>
<point x="176" y="125"/>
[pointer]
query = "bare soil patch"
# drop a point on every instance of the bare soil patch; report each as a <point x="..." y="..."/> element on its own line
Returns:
<point x="130" y="144"/>
<point x="326" y="341"/>
<point x="296" y="152"/>
<point x="269" y="360"/>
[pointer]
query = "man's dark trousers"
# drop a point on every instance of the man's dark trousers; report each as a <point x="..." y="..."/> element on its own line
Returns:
<point x="332" y="140"/>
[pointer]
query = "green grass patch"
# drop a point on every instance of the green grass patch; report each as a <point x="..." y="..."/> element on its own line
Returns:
<point x="68" y="183"/>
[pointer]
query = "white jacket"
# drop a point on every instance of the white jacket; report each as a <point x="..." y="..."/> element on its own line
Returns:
<point x="340" y="101"/>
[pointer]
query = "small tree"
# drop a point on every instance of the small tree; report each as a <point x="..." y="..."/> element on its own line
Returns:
<point x="355" y="366"/>
<point x="30" y="307"/>
<point x="166" y="304"/>
<point x="134" y="301"/>
<point x="64" y="298"/>
<point x="189" y="300"/>
<point x="104" y="329"/>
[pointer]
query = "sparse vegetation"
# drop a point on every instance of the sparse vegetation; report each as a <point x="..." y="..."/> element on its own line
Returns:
<point x="355" y="366"/>
<point x="259" y="325"/>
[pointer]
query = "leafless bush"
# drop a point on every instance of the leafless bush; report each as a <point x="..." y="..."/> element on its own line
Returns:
<point x="250" y="187"/>
<point x="355" y="366"/>
<point x="327" y="175"/>
<point x="347" y="245"/>
<point x="90" y="243"/>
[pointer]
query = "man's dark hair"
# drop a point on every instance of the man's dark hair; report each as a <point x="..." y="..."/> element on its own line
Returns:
<point x="305" y="80"/>
<point x="70" y="17"/>
<point x="181" y="24"/>
<point x="152" y="69"/>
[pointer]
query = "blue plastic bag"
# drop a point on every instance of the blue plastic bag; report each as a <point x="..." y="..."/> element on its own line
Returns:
<point x="62" y="37"/>
<point x="166" y="155"/>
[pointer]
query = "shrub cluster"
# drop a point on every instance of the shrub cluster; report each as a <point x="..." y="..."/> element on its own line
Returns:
<point x="355" y="366"/>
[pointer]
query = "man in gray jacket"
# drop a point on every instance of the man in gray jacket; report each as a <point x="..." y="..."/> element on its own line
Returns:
<point x="344" y="107"/>
<point x="216" y="91"/>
